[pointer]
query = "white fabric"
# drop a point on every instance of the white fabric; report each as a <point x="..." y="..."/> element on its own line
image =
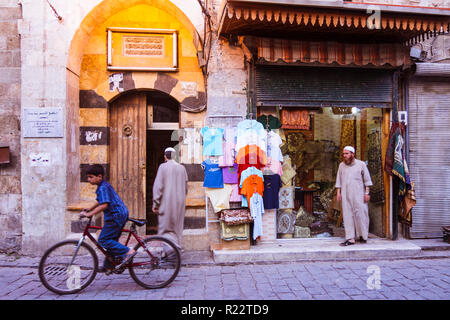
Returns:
<point x="250" y="137"/>
<point x="273" y="146"/>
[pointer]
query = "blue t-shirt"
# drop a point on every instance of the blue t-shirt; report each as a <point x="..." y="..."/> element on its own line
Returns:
<point x="212" y="141"/>
<point x="213" y="175"/>
<point x="116" y="208"/>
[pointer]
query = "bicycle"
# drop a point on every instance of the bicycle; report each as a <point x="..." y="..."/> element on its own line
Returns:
<point x="70" y="266"/>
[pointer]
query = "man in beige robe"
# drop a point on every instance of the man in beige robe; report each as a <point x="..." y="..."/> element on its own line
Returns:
<point x="352" y="184"/>
<point x="169" y="197"/>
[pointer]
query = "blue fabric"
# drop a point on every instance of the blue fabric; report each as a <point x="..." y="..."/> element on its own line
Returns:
<point x="212" y="141"/>
<point x="272" y="185"/>
<point x="116" y="211"/>
<point x="109" y="237"/>
<point x="213" y="175"/>
<point x="247" y="125"/>
<point x="257" y="210"/>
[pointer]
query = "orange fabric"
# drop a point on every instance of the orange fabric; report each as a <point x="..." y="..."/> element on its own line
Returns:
<point x="251" y="154"/>
<point x="295" y="119"/>
<point x="252" y="184"/>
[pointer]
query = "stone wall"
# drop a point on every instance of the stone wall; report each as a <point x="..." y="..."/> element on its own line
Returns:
<point x="227" y="74"/>
<point x="10" y="184"/>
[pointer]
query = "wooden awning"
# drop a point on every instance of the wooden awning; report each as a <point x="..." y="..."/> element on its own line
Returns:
<point x="328" y="52"/>
<point x="270" y="19"/>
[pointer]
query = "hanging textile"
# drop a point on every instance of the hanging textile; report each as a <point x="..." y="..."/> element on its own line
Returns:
<point x="234" y="232"/>
<point x="269" y="121"/>
<point x="328" y="52"/>
<point x="348" y="134"/>
<point x="236" y="216"/>
<point x="375" y="167"/>
<point x="295" y="119"/>
<point x="405" y="210"/>
<point x="212" y="141"/>
<point x="396" y="129"/>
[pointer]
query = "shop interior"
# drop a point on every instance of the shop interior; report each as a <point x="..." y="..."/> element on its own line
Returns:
<point x="313" y="140"/>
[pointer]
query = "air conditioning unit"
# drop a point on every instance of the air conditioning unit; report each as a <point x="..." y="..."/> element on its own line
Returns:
<point x="418" y="54"/>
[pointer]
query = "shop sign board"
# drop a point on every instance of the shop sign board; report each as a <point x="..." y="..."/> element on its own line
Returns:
<point x="141" y="49"/>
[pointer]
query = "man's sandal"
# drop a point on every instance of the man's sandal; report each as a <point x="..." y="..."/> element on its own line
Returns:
<point x="347" y="243"/>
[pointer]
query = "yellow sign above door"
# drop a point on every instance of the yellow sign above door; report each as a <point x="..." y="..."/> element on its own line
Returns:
<point x="138" y="49"/>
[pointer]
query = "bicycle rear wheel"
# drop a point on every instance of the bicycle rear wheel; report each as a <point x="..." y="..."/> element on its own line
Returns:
<point x="64" y="272"/>
<point x="157" y="265"/>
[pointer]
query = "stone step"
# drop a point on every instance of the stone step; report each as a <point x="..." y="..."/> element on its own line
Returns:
<point x="316" y="250"/>
<point x="195" y="239"/>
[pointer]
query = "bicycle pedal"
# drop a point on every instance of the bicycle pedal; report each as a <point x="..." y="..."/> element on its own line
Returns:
<point x="118" y="271"/>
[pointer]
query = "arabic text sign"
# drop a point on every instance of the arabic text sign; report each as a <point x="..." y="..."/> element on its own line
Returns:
<point x="43" y="123"/>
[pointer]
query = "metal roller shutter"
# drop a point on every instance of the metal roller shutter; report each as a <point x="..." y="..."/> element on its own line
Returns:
<point x="320" y="87"/>
<point x="429" y="155"/>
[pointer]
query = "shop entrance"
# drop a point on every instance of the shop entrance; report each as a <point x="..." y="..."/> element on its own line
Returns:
<point x="142" y="125"/>
<point x="313" y="139"/>
<point x="322" y="110"/>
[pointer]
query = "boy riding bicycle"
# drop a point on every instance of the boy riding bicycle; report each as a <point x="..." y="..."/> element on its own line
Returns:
<point x="115" y="215"/>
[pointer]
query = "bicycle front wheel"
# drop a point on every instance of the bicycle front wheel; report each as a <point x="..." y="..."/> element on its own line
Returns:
<point x="156" y="265"/>
<point x="65" y="270"/>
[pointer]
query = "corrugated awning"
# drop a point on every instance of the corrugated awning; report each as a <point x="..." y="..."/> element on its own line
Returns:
<point x="269" y="19"/>
<point x="329" y="52"/>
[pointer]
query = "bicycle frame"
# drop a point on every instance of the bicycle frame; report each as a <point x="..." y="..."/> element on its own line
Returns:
<point x="131" y="232"/>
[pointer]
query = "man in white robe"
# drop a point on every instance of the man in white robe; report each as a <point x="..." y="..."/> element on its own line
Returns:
<point x="169" y="198"/>
<point x="352" y="184"/>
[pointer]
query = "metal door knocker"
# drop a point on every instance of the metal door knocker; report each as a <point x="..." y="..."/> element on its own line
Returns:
<point x="127" y="130"/>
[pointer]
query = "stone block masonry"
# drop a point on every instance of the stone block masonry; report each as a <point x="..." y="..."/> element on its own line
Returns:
<point x="10" y="184"/>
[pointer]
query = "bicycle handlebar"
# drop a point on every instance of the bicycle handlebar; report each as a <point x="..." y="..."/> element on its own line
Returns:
<point x="83" y="216"/>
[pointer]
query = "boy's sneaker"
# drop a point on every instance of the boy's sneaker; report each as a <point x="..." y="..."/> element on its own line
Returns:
<point x="126" y="259"/>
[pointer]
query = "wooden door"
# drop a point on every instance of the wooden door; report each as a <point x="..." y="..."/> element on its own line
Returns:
<point x="128" y="119"/>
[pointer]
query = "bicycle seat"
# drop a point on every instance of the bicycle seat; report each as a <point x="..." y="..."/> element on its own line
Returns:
<point x="139" y="223"/>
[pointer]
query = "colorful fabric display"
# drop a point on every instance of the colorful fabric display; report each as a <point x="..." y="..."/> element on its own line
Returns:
<point x="286" y="198"/>
<point x="212" y="141"/>
<point x="235" y="196"/>
<point x="272" y="185"/>
<point x="236" y="216"/>
<point x="252" y="184"/>
<point x="213" y="175"/>
<point x="230" y="174"/>
<point x="245" y="174"/>
<point x="220" y="198"/>
<point x="274" y="166"/>
<point x="251" y="132"/>
<point x="251" y="154"/>
<point x="234" y="232"/>
<point x="295" y="119"/>
<point x="229" y="144"/>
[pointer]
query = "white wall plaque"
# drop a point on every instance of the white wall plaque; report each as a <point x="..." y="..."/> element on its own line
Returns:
<point x="43" y="123"/>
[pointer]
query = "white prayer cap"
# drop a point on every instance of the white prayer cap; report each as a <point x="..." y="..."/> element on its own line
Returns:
<point x="169" y="150"/>
<point x="350" y="148"/>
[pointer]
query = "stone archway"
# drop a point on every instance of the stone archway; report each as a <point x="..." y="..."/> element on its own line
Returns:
<point x="89" y="83"/>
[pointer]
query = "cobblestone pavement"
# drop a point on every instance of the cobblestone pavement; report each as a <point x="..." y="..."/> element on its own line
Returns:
<point x="427" y="279"/>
